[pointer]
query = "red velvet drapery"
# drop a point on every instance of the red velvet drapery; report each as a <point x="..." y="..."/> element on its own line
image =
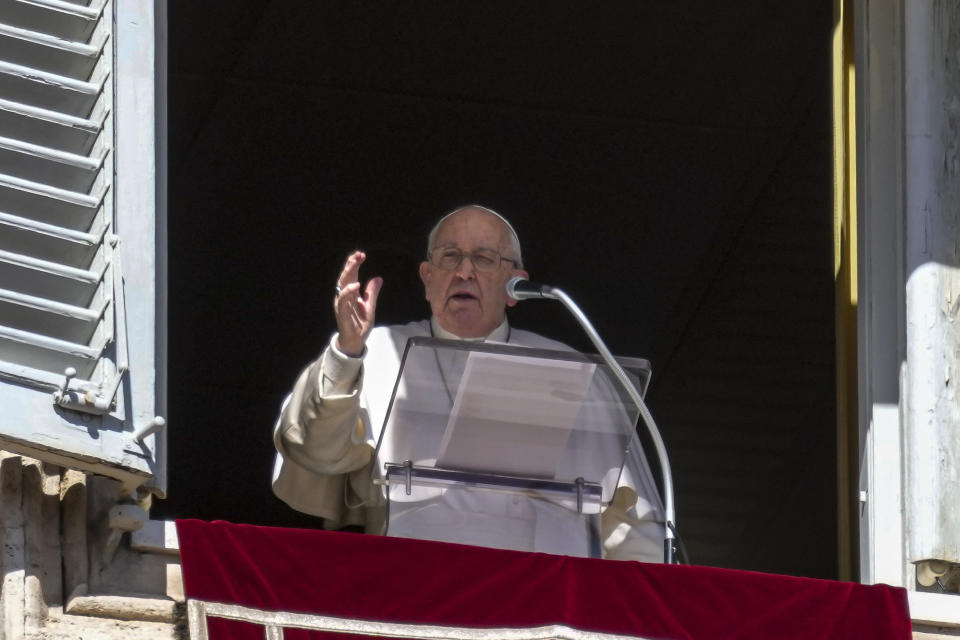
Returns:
<point x="365" y="577"/>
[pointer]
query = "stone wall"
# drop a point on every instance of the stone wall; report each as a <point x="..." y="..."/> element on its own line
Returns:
<point x="61" y="578"/>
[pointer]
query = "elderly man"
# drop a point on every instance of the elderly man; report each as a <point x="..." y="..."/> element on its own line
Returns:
<point x="329" y="425"/>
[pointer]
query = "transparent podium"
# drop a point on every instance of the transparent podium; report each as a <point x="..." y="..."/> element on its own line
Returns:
<point x="504" y="446"/>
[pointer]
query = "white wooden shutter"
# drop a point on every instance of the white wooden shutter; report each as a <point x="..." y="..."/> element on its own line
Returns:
<point x="78" y="229"/>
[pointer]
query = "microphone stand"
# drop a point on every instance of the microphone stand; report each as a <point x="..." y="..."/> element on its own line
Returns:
<point x="669" y="540"/>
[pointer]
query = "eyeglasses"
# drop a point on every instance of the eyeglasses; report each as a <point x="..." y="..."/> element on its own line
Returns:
<point x="484" y="260"/>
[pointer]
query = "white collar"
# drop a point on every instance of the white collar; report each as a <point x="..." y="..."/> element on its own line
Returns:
<point x="500" y="334"/>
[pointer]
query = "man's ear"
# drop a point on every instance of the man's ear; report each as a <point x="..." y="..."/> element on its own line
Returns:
<point x="426" y="272"/>
<point x="511" y="302"/>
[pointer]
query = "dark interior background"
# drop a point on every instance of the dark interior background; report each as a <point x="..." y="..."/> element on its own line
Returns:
<point x="667" y="164"/>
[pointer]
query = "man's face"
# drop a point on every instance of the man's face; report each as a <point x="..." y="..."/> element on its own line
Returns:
<point x="467" y="302"/>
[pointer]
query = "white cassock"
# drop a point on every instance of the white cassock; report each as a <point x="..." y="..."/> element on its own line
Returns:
<point x="331" y="423"/>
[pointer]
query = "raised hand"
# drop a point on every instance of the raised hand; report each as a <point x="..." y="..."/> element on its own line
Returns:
<point x="355" y="309"/>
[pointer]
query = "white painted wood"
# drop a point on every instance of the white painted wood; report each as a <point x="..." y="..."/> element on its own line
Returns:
<point x="53" y="344"/>
<point x="938" y="609"/>
<point x="95" y="236"/>
<point x="139" y="218"/>
<point x="57" y="117"/>
<point x="69" y="310"/>
<point x="28" y="424"/>
<point x="33" y="267"/>
<point x="79" y="274"/>
<point x="28" y="376"/>
<point x="53" y="79"/>
<point x="55" y="54"/>
<point x="45" y="190"/>
<point x="89" y="163"/>
<point x="90" y="276"/>
<point x="158" y="483"/>
<point x="45" y="39"/>
<point x="91" y="11"/>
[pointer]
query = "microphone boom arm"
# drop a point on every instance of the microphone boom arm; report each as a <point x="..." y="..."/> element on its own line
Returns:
<point x="669" y="546"/>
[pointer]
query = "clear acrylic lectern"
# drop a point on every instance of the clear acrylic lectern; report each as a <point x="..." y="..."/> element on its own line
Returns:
<point x="504" y="446"/>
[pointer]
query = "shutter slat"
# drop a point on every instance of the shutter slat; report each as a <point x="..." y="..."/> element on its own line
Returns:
<point x="54" y="80"/>
<point x="89" y="276"/>
<point x="62" y="233"/>
<point x="87" y="124"/>
<point x="52" y="306"/>
<point x="51" y="54"/>
<point x="57" y="211"/>
<point x="85" y="3"/>
<point x="47" y="191"/>
<point x="50" y="318"/>
<point x="60" y="169"/>
<point x="41" y="152"/>
<point x="61" y="19"/>
<point x="51" y="242"/>
<point x="50" y="90"/>
<point x="51" y="128"/>
<point x="36" y="340"/>
<point x="24" y="375"/>
<point x="49" y="286"/>
<point x="87" y="10"/>
<point x="45" y="39"/>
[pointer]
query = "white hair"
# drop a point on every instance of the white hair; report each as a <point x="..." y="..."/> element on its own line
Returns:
<point x="514" y="239"/>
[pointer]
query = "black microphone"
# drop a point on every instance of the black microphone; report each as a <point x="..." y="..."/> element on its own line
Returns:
<point x="522" y="289"/>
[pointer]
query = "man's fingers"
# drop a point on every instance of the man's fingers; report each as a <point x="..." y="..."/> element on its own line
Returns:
<point x="355" y="312"/>
<point x="351" y="269"/>
<point x="353" y="305"/>
<point x="348" y="294"/>
<point x="372" y="292"/>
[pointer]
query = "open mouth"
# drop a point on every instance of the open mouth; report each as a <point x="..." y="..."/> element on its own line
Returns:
<point x="463" y="296"/>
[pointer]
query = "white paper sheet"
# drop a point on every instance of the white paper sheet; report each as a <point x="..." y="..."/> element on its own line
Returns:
<point x="513" y="415"/>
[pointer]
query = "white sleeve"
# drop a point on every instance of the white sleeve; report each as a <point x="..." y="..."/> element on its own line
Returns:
<point x="319" y="427"/>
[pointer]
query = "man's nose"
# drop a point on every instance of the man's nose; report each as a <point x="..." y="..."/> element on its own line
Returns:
<point x="465" y="269"/>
